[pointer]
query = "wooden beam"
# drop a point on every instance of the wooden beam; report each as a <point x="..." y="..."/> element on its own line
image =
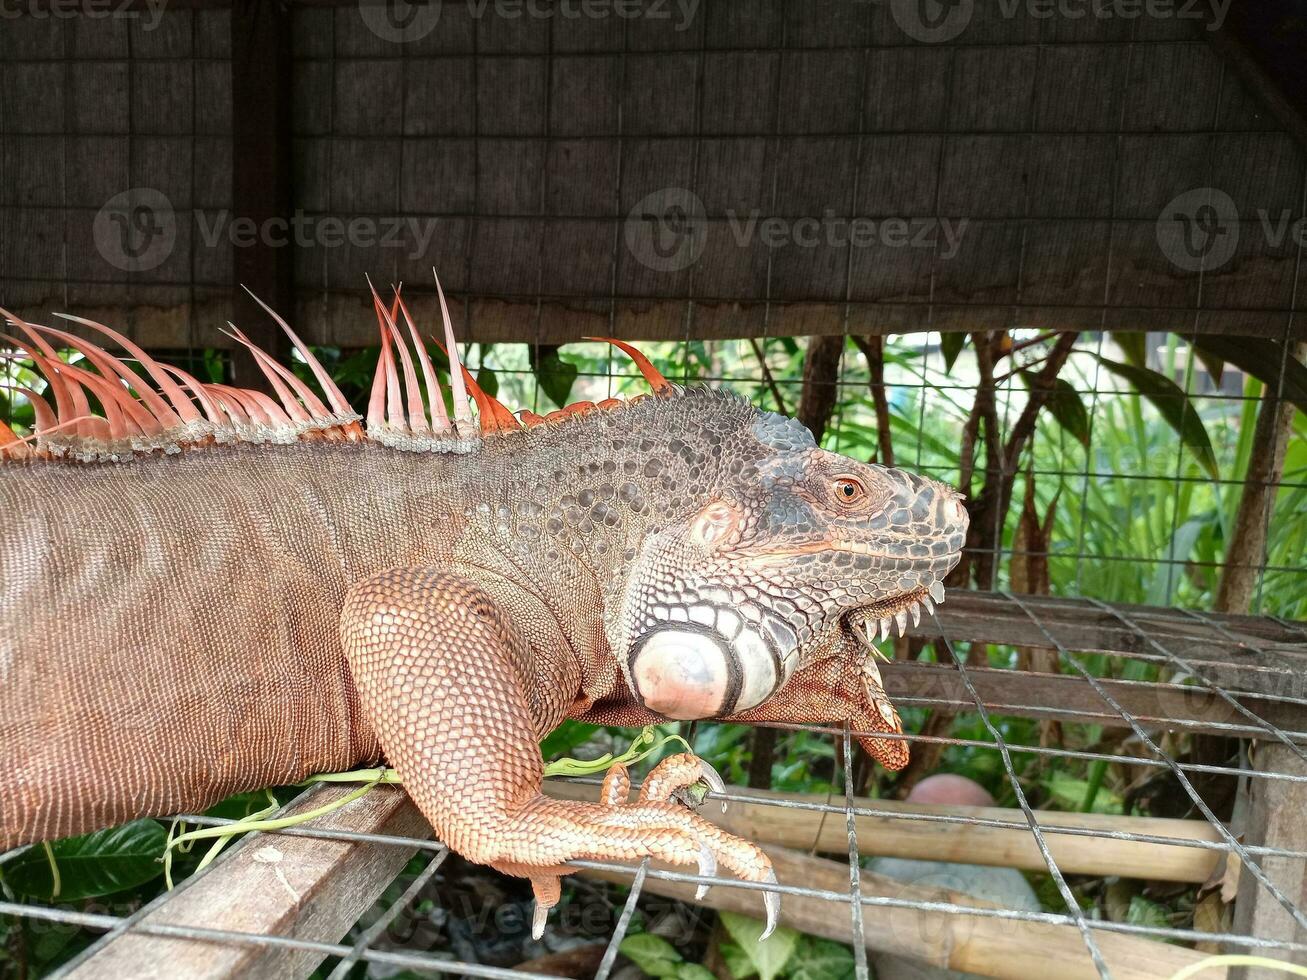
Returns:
<point x="986" y="945"/>
<point x="343" y="318"/>
<point x="301" y="887"/>
<point x="897" y="835"/>
<point x="1069" y="697"/>
<point x="261" y="175"/>
<point x="1275" y="810"/>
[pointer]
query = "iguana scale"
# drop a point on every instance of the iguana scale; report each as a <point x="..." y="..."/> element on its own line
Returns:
<point x="205" y="590"/>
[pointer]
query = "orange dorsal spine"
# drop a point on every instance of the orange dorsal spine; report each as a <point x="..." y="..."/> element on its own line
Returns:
<point x="152" y="406"/>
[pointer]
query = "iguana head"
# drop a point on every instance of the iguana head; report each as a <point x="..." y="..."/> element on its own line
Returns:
<point x="795" y="553"/>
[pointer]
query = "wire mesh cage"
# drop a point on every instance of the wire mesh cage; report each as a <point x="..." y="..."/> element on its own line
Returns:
<point x="526" y="160"/>
<point x="876" y="912"/>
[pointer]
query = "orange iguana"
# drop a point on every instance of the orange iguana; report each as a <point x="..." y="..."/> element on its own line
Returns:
<point x="205" y="589"/>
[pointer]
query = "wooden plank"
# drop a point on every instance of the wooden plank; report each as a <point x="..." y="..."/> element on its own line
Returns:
<point x="339" y="318"/>
<point x="1275" y="810"/>
<point x="988" y="946"/>
<point x="1082" y="626"/>
<point x="1069" y="697"/>
<point x="301" y="887"/>
<point x="261" y="175"/>
<point x="895" y="835"/>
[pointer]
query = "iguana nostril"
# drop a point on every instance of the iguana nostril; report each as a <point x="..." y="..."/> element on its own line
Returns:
<point x="959" y="511"/>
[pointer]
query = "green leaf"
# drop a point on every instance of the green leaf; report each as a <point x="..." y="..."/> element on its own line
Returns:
<point x="1145" y="913"/>
<point x="1173" y="404"/>
<point x="1214" y="365"/>
<point x="1065" y="405"/>
<point x="1070" y="793"/>
<point x="693" y="971"/>
<point x="739" y="965"/>
<point x="950" y="345"/>
<point x="652" y="954"/>
<point x="1263" y="359"/>
<point x="769" y="957"/>
<point x="1134" y="346"/>
<point x="555" y="375"/>
<point x="487" y="381"/>
<point x="822" y="959"/>
<point x="101" y="863"/>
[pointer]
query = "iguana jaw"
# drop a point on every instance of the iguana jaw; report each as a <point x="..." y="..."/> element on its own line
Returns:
<point x="883" y="614"/>
<point x="895" y="612"/>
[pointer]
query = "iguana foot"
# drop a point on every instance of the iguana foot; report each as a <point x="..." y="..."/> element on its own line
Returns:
<point x="655" y="825"/>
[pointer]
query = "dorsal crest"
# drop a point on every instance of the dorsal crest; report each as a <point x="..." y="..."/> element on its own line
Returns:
<point x="111" y="408"/>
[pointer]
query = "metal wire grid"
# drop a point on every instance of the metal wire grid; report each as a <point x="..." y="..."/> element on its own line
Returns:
<point x="363" y="946"/>
<point x="362" y="949"/>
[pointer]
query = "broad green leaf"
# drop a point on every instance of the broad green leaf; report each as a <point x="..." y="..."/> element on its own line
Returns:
<point x="101" y="863"/>
<point x="739" y="965"/>
<point x="769" y="957"/>
<point x="1071" y="793"/>
<point x="1134" y="346"/>
<point x="821" y="959"/>
<point x="652" y="954"/>
<point x="950" y="345"/>
<point x="556" y="376"/>
<point x="1263" y="359"/>
<point x="1173" y="404"/>
<point x="487" y="381"/>
<point x="693" y="971"/>
<point x="1212" y="363"/>
<point x="1065" y="405"/>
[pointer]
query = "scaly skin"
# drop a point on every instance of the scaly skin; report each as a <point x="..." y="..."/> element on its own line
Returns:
<point x="174" y="629"/>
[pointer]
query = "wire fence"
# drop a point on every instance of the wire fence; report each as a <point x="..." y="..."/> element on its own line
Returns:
<point x="376" y="941"/>
<point x="1251" y="691"/>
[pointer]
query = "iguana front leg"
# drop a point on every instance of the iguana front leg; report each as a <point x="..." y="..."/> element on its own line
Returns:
<point x="460" y="694"/>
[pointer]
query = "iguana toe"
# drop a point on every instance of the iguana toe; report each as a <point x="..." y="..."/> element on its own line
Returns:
<point x="677" y="773"/>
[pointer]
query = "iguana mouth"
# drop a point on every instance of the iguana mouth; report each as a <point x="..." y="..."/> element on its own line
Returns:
<point x="866" y="620"/>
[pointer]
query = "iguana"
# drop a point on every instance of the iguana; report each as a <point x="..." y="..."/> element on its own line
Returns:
<point x="205" y="590"/>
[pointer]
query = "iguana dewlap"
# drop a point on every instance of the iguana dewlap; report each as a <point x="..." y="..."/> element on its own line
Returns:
<point x="205" y="590"/>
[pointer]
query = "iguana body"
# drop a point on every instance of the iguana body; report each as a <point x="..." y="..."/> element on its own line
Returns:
<point x="180" y="626"/>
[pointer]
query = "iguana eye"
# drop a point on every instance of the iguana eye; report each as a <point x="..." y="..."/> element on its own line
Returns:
<point x="848" y="490"/>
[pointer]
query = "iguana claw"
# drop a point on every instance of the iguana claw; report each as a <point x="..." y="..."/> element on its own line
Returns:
<point x="772" y="900"/>
<point x="538" y="919"/>
<point x="707" y="869"/>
